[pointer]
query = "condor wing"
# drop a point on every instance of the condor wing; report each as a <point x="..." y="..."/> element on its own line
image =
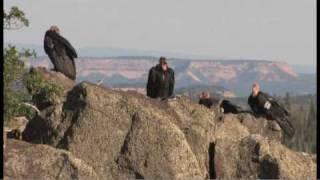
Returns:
<point x="62" y="42"/>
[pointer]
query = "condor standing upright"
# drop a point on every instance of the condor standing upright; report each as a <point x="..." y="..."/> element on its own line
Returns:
<point x="60" y="52"/>
<point x="160" y="80"/>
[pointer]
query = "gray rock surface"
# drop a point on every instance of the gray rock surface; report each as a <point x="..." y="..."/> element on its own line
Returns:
<point x="23" y="160"/>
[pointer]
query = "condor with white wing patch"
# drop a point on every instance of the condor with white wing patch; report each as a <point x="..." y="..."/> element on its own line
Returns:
<point x="267" y="105"/>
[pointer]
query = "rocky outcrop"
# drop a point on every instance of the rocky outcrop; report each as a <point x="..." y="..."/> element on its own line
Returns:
<point x="27" y="161"/>
<point x="123" y="129"/>
<point x="256" y="157"/>
<point x="267" y="159"/>
<point x="125" y="135"/>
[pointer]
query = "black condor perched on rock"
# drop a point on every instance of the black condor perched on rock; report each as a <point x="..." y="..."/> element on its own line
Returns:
<point x="60" y="52"/>
<point x="160" y="80"/>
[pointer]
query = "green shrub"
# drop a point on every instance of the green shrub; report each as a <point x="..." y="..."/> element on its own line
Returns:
<point x="14" y="70"/>
<point x="13" y="98"/>
<point x="40" y="90"/>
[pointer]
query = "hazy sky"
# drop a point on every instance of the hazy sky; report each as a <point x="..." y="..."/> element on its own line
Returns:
<point x="283" y="30"/>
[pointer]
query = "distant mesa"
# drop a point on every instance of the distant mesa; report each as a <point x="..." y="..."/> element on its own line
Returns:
<point x="234" y="75"/>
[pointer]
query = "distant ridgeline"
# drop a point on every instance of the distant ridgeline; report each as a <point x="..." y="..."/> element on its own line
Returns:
<point x="233" y="76"/>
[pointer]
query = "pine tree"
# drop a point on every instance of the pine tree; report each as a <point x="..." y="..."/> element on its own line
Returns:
<point x="287" y="101"/>
<point x="311" y="127"/>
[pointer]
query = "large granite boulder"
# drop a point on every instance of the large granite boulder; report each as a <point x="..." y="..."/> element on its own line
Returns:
<point x="23" y="160"/>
